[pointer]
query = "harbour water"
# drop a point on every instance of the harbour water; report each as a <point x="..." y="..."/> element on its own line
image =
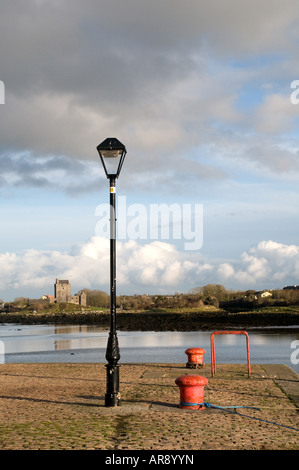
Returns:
<point x="80" y="343"/>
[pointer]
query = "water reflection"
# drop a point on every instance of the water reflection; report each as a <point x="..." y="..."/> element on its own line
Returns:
<point x="87" y="343"/>
<point x="30" y="338"/>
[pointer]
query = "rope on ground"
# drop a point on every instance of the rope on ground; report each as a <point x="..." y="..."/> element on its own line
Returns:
<point x="226" y="408"/>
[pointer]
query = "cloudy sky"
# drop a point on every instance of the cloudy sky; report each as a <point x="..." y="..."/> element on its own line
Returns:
<point x="201" y="95"/>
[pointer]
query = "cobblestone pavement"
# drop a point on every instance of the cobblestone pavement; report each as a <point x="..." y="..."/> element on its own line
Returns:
<point x="61" y="406"/>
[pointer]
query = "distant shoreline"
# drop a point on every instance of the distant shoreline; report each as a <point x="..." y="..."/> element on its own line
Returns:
<point x="162" y="320"/>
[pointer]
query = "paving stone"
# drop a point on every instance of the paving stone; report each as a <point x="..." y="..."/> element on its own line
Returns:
<point x="61" y="406"/>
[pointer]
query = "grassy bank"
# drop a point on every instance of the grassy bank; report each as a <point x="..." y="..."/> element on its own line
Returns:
<point x="185" y="319"/>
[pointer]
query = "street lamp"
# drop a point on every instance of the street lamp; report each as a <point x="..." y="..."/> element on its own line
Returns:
<point x="112" y="153"/>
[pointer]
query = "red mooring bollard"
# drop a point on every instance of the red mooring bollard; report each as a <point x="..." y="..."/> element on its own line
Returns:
<point x="195" y="358"/>
<point x="191" y="391"/>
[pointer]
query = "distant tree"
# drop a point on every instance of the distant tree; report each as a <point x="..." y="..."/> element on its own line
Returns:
<point x="212" y="300"/>
<point x="290" y="296"/>
<point x="212" y="290"/>
<point x="196" y="290"/>
<point x="96" y="298"/>
<point x="21" y="301"/>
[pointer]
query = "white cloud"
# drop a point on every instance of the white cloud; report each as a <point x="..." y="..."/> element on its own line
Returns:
<point x="268" y="263"/>
<point x="226" y="271"/>
<point x="156" y="267"/>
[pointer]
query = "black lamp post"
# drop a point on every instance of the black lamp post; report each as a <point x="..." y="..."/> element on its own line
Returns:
<point x="112" y="153"/>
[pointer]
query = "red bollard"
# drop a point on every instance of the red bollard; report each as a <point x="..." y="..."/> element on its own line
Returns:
<point x="195" y="358"/>
<point x="191" y="391"/>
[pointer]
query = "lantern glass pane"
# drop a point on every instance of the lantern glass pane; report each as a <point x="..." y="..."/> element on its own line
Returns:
<point x="111" y="160"/>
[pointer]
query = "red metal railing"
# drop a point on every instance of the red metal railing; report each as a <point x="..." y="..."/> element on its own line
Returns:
<point x="213" y="356"/>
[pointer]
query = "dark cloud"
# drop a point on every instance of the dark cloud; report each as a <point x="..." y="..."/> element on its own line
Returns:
<point x="55" y="172"/>
<point x="161" y="76"/>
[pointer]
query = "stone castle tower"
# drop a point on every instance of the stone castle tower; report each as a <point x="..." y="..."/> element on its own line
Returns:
<point x="62" y="293"/>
